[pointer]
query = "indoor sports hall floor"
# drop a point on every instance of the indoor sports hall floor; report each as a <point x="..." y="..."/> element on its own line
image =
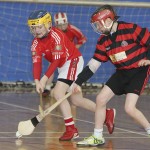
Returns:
<point x="16" y="106"/>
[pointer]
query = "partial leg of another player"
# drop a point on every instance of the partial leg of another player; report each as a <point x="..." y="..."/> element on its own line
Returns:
<point x="71" y="131"/>
<point x="78" y="100"/>
<point x="48" y="86"/>
<point x="97" y="138"/>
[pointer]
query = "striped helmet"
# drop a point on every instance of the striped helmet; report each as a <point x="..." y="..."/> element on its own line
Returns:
<point x="60" y="18"/>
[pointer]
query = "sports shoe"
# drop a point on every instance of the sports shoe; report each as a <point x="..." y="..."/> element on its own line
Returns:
<point x="69" y="134"/>
<point x="109" y="121"/>
<point x="46" y="93"/>
<point x="148" y="131"/>
<point x="91" y="141"/>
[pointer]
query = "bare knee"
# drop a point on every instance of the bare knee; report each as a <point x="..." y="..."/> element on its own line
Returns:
<point x="101" y="100"/>
<point x="130" y="110"/>
<point x="57" y="95"/>
<point x="76" y="100"/>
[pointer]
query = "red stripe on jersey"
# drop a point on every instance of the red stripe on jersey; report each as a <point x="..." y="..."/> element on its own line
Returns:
<point x="136" y="53"/>
<point x="129" y="26"/>
<point x="124" y="38"/>
<point x="101" y="57"/>
<point x="72" y="69"/>
<point x="146" y="80"/>
<point x="137" y="30"/>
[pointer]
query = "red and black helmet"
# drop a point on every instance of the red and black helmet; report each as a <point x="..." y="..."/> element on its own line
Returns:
<point x="104" y="12"/>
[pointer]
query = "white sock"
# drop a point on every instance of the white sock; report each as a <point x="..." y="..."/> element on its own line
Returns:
<point x="148" y="130"/>
<point x="98" y="133"/>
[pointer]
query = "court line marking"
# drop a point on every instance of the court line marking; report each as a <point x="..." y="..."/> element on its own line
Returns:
<point x="52" y="137"/>
<point x="18" y="106"/>
<point x="26" y="108"/>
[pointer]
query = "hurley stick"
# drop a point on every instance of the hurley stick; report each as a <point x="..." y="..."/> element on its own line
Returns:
<point x="27" y="127"/>
<point x="41" y="104"/>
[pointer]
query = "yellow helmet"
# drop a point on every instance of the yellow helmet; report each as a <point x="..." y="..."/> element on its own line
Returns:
<point x="39" y="17"/>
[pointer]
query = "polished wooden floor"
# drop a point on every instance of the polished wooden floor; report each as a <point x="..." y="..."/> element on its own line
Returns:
<point x="16" y="106"/>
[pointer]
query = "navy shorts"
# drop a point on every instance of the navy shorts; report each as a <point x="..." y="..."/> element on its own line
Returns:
<point x="129" y="80"/>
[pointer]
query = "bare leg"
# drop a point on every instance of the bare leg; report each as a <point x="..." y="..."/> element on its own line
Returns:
<point x="59" y="92"/>
<point x="132" y="111"/>
<point x="102" y="98"/>
<point x="78" y="100"/>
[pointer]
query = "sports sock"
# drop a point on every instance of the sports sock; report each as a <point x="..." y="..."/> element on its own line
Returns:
<point x="98" y="133"/>
<point x="148" y="130"/>
<point x="69" y="123"/>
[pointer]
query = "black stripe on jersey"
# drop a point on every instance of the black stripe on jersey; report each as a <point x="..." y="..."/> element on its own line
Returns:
<point x="133" y="49"/>
<point x="98" y="59"/>
<point x="100" y="52"/>
<point x="125" y="31"/>
<point x="130" y="62"/>
<point x="134" y="28"/>
<point x="148" y="53"/>
<point x="111" y="37"/>
<point x="118" y="44"/>
<point x="148" y="41"/>
<point x="141" y="35"/>
<point x="102" y="40"/>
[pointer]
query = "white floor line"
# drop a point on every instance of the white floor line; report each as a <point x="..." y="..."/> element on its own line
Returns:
<point x="17" y="106"/>
<point x="129" y="131"/>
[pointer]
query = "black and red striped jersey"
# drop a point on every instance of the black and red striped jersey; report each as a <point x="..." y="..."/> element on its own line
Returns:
<point x="125" y="47"/>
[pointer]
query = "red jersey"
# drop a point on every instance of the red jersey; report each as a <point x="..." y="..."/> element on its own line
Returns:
<point x="124" y="48"/>
<point x="75" y="35"/>
<point x="54" y="47"/>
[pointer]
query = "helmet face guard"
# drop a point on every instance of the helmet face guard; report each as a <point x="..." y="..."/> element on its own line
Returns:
<point x="39" y="23"/>
<point x="98" y="20"/>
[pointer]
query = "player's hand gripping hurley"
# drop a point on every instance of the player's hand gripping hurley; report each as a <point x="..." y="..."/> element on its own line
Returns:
<point x="27" y="127"/>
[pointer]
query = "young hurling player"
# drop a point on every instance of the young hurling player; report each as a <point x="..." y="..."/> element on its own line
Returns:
<point x="73" y="33"/>
<point x="126" y="45"/>
<point x="52" y="44"/>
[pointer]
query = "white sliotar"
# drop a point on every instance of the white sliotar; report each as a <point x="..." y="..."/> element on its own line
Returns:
<point x="18" y="135"/>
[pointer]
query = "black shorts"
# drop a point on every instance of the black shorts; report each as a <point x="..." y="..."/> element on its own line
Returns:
<point x="69" y="82"/>
<point x="129" y="81"/>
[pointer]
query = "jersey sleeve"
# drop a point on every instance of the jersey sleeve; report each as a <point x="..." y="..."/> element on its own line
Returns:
<point x="100" y="52"/>
<point x="36" y="59"/>
<point x="142" y="36"/>
<point x="51" y="69"/>
<point x="80" y="37"/>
